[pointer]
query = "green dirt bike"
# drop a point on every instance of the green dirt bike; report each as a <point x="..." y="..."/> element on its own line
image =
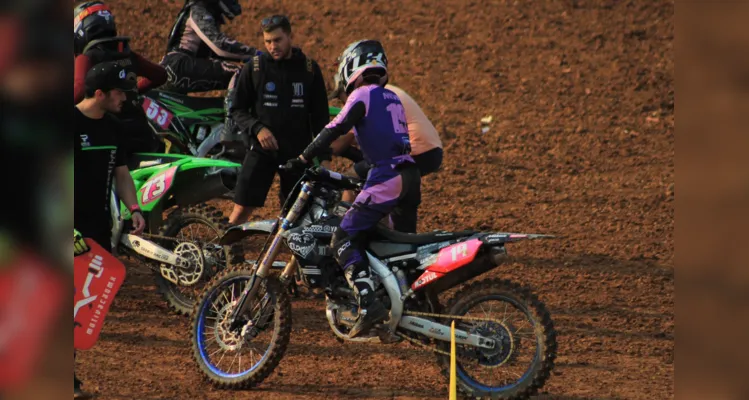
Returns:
<point x="193" y="125"/>
<point x="182" y="249"/>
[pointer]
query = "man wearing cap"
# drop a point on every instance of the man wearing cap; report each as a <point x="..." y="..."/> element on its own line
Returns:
<point x="279" y="104"/>
<point x="99" y="157"/>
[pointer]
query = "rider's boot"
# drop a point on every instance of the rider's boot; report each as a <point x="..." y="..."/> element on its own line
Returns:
<point x="371" y="309"/>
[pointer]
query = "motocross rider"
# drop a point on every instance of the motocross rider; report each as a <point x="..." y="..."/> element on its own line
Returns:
<point x="426" y="146"/>
<point x="393" y="184"/>
<point x="95" y="40"/>
<point x="196" y="43"/>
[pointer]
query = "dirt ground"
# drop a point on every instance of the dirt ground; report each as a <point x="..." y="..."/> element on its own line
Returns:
<point x="581" y="144"/>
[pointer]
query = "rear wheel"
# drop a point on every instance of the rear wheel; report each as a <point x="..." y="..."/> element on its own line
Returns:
<point x="200" y="228"/>
<point x="524" y="333"/>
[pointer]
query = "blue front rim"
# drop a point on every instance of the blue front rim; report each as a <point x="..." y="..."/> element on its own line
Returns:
<point x="201" y="329"/>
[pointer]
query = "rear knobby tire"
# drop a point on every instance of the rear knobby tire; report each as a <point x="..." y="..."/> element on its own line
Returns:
<point x="544" y="328"/>
<point x="215" y="220"/>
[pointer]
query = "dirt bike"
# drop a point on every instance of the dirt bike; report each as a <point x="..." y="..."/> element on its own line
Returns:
<point x="193" y="125"/>
<point x="246" y="310"/>
<point x="179" y="185"/>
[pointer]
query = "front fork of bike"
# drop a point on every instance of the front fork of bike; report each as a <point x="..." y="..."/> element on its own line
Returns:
<point x="265" y="265"/>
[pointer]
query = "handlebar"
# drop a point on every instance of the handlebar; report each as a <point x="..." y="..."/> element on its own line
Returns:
<point x="322" y="174"/>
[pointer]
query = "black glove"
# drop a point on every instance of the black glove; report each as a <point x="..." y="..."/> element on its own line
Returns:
<point x="294" y="164"/>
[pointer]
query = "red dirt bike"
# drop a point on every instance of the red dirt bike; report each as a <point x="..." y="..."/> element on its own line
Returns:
<point x="242" y="321"/>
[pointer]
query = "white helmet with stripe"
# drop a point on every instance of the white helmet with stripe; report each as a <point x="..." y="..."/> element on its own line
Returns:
<point x="360" y="57"/>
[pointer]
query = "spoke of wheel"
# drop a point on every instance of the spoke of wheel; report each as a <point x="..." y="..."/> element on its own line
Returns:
<point x="233" y="297"/>
<point x="223" y="294"/>
<point x="525" y="321"/>
<point x="215" y="310"/>
<point x="220" y="359"/>
<point x="524" y="335"/>
<point x="217" y="350"/>
<point x="252" y="359"/>
<point x="504" y="314"/>
<point x="232" y="364"/>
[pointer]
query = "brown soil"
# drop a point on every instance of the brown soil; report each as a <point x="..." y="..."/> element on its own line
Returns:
<point x="581" y="145"/>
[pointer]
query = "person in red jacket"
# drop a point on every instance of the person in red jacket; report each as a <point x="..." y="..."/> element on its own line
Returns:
<point x="95" y="40"/>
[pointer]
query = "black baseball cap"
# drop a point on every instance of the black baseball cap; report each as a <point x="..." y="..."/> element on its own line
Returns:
<point x="109" y="75"/>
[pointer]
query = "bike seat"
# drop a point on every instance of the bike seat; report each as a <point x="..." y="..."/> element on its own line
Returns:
<point x="194" y="104"/>
<point x="419" y="238"/>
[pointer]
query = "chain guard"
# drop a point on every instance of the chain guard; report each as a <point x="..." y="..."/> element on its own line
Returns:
<point x="193" y="267"/>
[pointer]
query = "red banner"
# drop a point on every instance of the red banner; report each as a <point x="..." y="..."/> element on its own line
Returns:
<point x="98" y="277"/>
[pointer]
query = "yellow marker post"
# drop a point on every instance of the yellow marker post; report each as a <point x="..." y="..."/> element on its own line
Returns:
<point x="453" y="382"/>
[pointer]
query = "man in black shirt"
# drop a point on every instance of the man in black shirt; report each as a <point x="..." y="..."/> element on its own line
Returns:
<point x="99" y="157"/>
<point x="280" y="102"/>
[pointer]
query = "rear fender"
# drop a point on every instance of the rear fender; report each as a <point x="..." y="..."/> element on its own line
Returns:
<point x="500" y="238"/>
<point x="239" y="232"/>
<point x="448" y="260"/>
<point x="152" y="185"/>
<point x="463" y="261"/>
<point x="173" y="180"/>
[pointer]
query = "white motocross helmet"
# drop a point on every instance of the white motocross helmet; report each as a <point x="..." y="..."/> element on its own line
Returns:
<point x="359" y="57"/>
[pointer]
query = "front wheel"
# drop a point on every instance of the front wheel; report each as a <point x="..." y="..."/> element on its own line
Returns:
<point x="524" y="334"/>
<point x="240" y="359"/>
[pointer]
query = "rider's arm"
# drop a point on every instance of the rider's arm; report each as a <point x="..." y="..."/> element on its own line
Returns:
<point x="82" y="65"/>
<point x="353" y="112"/>
<point x="152" y="75"/>
<point x="243" y="101"/>
<point x="203" y="23"/>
